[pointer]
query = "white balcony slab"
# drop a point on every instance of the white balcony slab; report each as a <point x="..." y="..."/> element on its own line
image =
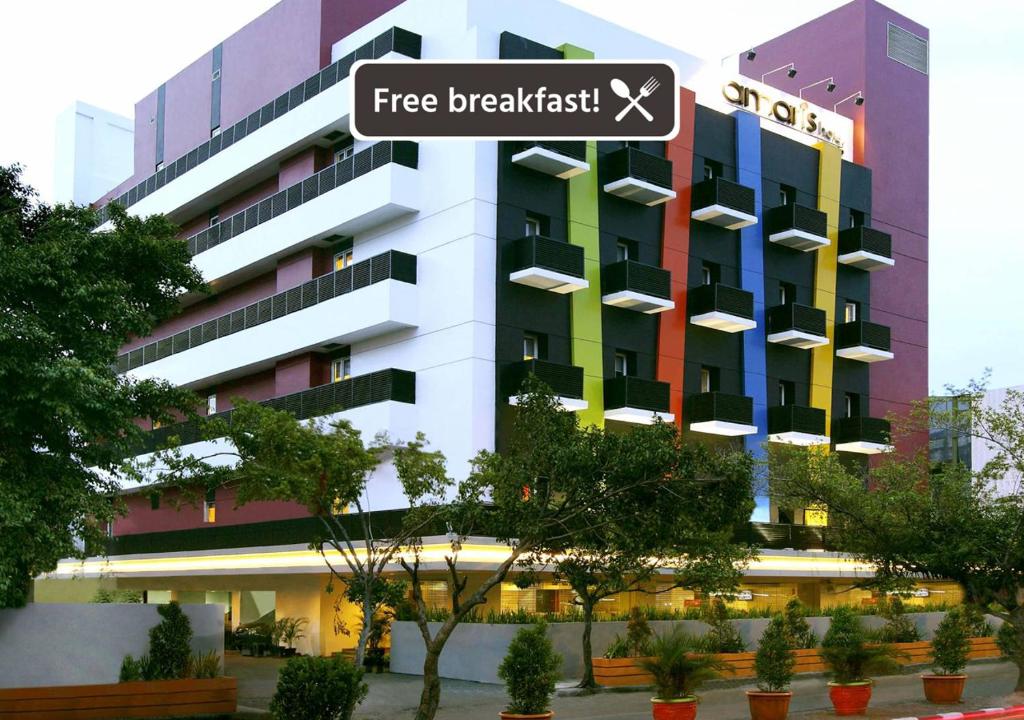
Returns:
<point x="864" y="260"/>
<point x="378" y="309"/>
<point x="798" y="339"/>
<point x="798" y="438"/>
<point x="717" y="320"/>
<point x="640" y="191"/>
<point x="545" y="279"/>
<point x="722" y="427"/>
<point x="798" y="240"/>
<point x="863" y="447"/>
<point x="638" y="416"/>
<point x="863" y="353"/>
<point x="550" y="162"/>
<point x="566" y="403"/>
<point x="632" y="300"/>
<point x="722" y="216"/>
<point x="378" y="196"/>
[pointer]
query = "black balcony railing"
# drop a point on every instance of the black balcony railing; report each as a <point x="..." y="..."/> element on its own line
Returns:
<point x="856" y="239"/>
<point x="633" y="392"/>
<point x="630" y="162"/>
<point x="564" y="380"/>
<point x="781" y="536"/>
<point x="392" y="265"/>
<point x="375" y="387"/>
<point x="542" y="252"/>
<point x="396" y="39"/>
<point x="721" y="406"/>
<point x="796" y="217"/>
<point x="792" y="316"/>
<point x="371" y="158"/>
<point x="719" y="191"/>
<point x="863" y="333"/>
<point x="861" y="429"/>
<point x="640" y="278"/>
<point x="577" y="150"/>
<point x="721" y="298"/>
<point x="796" y="418"/>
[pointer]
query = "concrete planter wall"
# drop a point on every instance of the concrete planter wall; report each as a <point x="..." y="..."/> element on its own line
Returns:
<point x="475" y="650"/>
<point x="84" y="644"/>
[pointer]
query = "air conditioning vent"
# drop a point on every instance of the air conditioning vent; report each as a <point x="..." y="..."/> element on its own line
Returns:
<point x="907" y="48"/>
<point x="332" y="136"/>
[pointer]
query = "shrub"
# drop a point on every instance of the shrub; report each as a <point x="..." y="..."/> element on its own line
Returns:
<point x="1009" y="642"/>
<point x="315" y="688"/>
<point x="638" y="633"/>
<point x="169" y="650"/>
<point x="618" y="648"/>
<point x="678" y="665"/>
<point x="774" y="660"/>
<point x="288" y="630"/>
<point x="117" y="596"/>
<point x="722" y="637"/>
<point x="798" y="630"/>
<point x="977" y="625"/>
<point x="130" y="670"/>
<point x="898" y="627"/>
<point x="846" y="651"/>
<point x="951" y="644"/>
<point x="530" y="669"/>
<point x="204" y="665"/>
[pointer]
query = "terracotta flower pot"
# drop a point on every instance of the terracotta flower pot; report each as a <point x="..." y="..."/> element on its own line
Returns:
<point x="681" y="709"/>
<point x="943" y="689"/>
<point x="516" y="716"/>
<point x="850" y="699"/>
<point x="768" y="705"/>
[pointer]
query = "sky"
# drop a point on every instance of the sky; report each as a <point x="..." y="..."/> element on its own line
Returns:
<point x="111" y="53"/>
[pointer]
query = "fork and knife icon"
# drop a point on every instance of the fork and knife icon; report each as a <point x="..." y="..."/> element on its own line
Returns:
<point x="621" y="89"/>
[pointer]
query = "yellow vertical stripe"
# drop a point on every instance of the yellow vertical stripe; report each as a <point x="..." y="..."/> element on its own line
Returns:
<point x="825" y="263"/>
<point x="587" y="347"/>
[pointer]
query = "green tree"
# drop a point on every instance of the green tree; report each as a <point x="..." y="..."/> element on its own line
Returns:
<point x="69" y="298"/>
<point x="933" y="522"/>
<point x="774" y="661"/>
<point x="530" y="669"/>
<point x="169" y="648"/>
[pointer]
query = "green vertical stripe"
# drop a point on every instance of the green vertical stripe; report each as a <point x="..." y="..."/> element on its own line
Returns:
<point x="587" y="349"/>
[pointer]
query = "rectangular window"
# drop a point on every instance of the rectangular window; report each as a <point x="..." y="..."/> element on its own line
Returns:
<point x="787" y="195"/>
<point x="712" y="169"/>
<point x="531" y="347"/>
<point x="787" y="392"/>
<point x="852" y="405"/>
<point x="159" y="166"/>
<point x="851" y="311"/>
<point x="214" y="219"/>
<point x="345" y="150"/>
<point x="710" y="273"/>
<point x="210" y="507"/>
<point x="625" y="249"/>
<point x="708" y="379"/>
<point x="856" y="218"/>
<point x="215" y="132"/>
<point x="787" y="293"/>
<point x="154" y="501"/>
<point x="343" y="259"/>
<point x="621" y="364"/>
<point x="341" y="368"/>
<point x="533" y="226"/>
<point x="211" y="403"/>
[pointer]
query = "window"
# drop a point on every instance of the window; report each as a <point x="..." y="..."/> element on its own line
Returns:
<point x="216" y="75"/>
<point x="343" y="259"/>
<point x="344" y="150"/>
<point x="851" y="311"/>
<point x="787" y="195"/>
<point x="154" y="501"/>
<point x="708" y="379"/>
<point x="852" y="405"/>
<point x="214" y="218"/>
<point x="787" y="392"/>
<point x="532" y="226"/>
<point x="712" y="169"/>
<point x="341" y="368"/>
<point x="531" y="347"/>
<point x="214" y="132"/>
<point x="211" y="403"/>
<point x="787" y="293"/>
<point x="159" y="166"/>
<point x="856" y="218"/>
<point x="625" y="250"/>
<point x="110" y="529"/>
<point x="623" y="366"/>
<point x="709" y="273"/>
<point x="210" y="507"/>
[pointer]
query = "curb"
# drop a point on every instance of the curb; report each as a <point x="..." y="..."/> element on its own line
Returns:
<point x="1016" y="711"/>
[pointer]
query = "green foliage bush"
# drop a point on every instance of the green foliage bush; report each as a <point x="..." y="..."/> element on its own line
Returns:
<point x="798" y="630"/>
<point x="722" y="637"/>
<point x="530" y="669"/>
<point x="1009" y="642"/>
<point x="131" y="670"/>
<point x="848" y="654"/>
<point x="679" y="665"/>
<point x="117" y="596"/>
<point x="977" y="625"/>
<point x="204" y="665"/>
<point x="774" y="660"/>
<point x="898" y="627"/>
<point x="315" y="688"/>
<point x="169" y="649"/>
<point x="951" y="644"/>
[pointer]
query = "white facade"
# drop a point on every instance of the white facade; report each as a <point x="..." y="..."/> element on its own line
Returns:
<point x="982" y="452"/>
<point x="94" y="152"/>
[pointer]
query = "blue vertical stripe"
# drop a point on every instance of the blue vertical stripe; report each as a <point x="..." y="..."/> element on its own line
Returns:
<point x="755" y="372"/>
<point x="161" y="95"/>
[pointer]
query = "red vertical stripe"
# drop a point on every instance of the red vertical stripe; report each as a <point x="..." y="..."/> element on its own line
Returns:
<point x="675" y="255"/>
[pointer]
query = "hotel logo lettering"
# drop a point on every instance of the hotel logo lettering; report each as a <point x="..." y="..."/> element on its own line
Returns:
<point x="797" y="116"/>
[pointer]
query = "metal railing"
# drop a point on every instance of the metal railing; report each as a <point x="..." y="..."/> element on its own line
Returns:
<point x="863" y="429"/>
<point x="793" y="316"/>
<point x="638" y="277"/>
<point x="564" y="380"/>
<point x="721" y="298"/>
<point x="631" y="162"/>
<point x="861" y="332"/>
<point x="636" y="392"/>
<point x="719" y="191"/>
<point x="796" y="418"/>
<point x="720" y="406"/>
<point x="796" y="217"/>
<point x="543" y="252"/>
<point x="867" y="239"/>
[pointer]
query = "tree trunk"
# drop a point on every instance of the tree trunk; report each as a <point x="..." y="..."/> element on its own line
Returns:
<point x="430" y="697"/>
<point x="364" y="631"/>
<point x="588" y="653"/>
<point x="1018" y="655"/>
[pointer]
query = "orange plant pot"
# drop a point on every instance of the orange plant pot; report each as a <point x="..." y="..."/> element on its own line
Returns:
<point x="683" y="709"/>
<point x="850" y="699"/>
<point x="516" y="716"/>
<point x="943" y="689"/>
<point x="768" y="705"/>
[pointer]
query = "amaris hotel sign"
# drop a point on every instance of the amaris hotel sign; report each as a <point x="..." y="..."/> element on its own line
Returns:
<point x="793" y="113"/>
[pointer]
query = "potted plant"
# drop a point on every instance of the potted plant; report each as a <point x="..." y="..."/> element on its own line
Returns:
<point x="852" y="660"/>
<point x="529" y="670"/>
<point x="949" y="657"/>
<point x="679" y="668"/>
<point x="773" y="664"/>
<point x="288" y="630"/>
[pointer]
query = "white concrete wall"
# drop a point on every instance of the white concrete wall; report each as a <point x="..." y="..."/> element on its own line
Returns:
<point x="84" y="644"/>
<point x="94" y="152"/>
<point x="982" y="452"/>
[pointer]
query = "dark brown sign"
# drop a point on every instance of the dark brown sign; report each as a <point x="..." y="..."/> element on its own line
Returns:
<point x="515" y="100"/>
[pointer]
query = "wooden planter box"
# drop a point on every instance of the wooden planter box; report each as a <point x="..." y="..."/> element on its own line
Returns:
<point x="140" y="699"/>
<point x="624" y="671"/>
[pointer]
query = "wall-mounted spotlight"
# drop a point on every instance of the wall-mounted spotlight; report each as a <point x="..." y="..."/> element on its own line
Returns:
<point x="790" y="71"/>
<point x="830" y="85"/>
<point x="857" y="97"/>
<point x="751" y="54"/>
